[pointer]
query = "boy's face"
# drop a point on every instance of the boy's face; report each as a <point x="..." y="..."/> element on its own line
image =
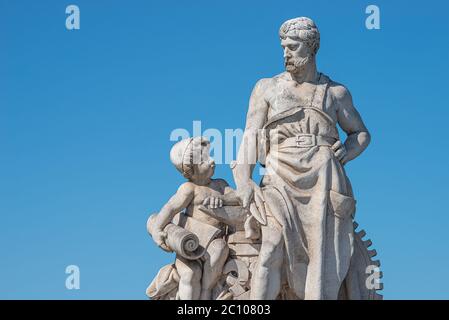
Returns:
<point x="204" y="165"/>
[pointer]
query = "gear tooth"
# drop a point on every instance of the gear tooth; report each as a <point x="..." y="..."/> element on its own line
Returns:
<point x="368" y="243"/>
<point x="369" y="254"/>
<point x="378" y="296"/>
<point x="361" y="233"/>
<point x="372" y="253"/>
<point x="376" y="263"/>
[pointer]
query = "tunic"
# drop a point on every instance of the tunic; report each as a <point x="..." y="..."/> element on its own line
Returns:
<point x="307" y="191"/>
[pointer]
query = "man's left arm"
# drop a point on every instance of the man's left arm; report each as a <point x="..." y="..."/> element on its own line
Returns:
<point x="350" y="121"/>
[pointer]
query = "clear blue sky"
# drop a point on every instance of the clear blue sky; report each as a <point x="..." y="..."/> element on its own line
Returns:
<point x="85" y="120"/>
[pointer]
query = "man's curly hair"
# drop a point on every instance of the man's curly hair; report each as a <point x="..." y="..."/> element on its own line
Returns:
<point x="302" y="29"/>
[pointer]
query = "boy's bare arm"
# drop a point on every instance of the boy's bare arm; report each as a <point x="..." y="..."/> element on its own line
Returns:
<point x="228" y="198"/>
<point x="176" y="204"/>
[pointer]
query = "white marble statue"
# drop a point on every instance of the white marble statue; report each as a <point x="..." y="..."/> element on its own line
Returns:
<point x="293" y="236"/>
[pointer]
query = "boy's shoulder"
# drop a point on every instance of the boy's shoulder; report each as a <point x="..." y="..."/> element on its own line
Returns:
<point x="186" y="188"/>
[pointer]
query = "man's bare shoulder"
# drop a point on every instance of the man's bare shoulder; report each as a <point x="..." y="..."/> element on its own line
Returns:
<point x="263" y="84"/>
<point x="339" y="91"/>
<point x="266" y="85"/>
<point x="270" y="82"/>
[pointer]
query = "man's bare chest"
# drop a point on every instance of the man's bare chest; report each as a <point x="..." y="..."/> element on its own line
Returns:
<point x="287" y="95"/>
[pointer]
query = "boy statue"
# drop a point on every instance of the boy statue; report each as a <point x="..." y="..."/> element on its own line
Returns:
<point x="197" y="277"/>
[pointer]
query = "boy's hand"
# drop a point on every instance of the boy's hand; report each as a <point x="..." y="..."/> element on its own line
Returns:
<point x="159" y="237"/>
<point x="213" y="202"/>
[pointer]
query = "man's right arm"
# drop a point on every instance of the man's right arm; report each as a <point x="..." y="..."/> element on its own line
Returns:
<point x="247" y="155"/>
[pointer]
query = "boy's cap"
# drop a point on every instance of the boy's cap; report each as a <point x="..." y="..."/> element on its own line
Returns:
<point x="181" y="155"/>
<point x="185" y="153"/>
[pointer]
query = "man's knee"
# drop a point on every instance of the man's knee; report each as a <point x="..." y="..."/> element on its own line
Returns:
<point x="272" y="234"/>
<point x="270" y="256"/>
<point x="272" y="246"/>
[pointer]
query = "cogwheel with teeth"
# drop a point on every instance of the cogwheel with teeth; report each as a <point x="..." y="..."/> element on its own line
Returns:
<point x="359" y="283"/>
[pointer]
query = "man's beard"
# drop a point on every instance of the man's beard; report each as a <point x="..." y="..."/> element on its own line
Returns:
<point x="297" y="66"/>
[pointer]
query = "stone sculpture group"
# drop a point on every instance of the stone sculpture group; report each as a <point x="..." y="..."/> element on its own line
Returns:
<point x="293" y="236"/>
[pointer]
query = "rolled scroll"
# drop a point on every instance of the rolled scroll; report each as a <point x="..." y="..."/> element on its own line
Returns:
<point x="180" y="240"/>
